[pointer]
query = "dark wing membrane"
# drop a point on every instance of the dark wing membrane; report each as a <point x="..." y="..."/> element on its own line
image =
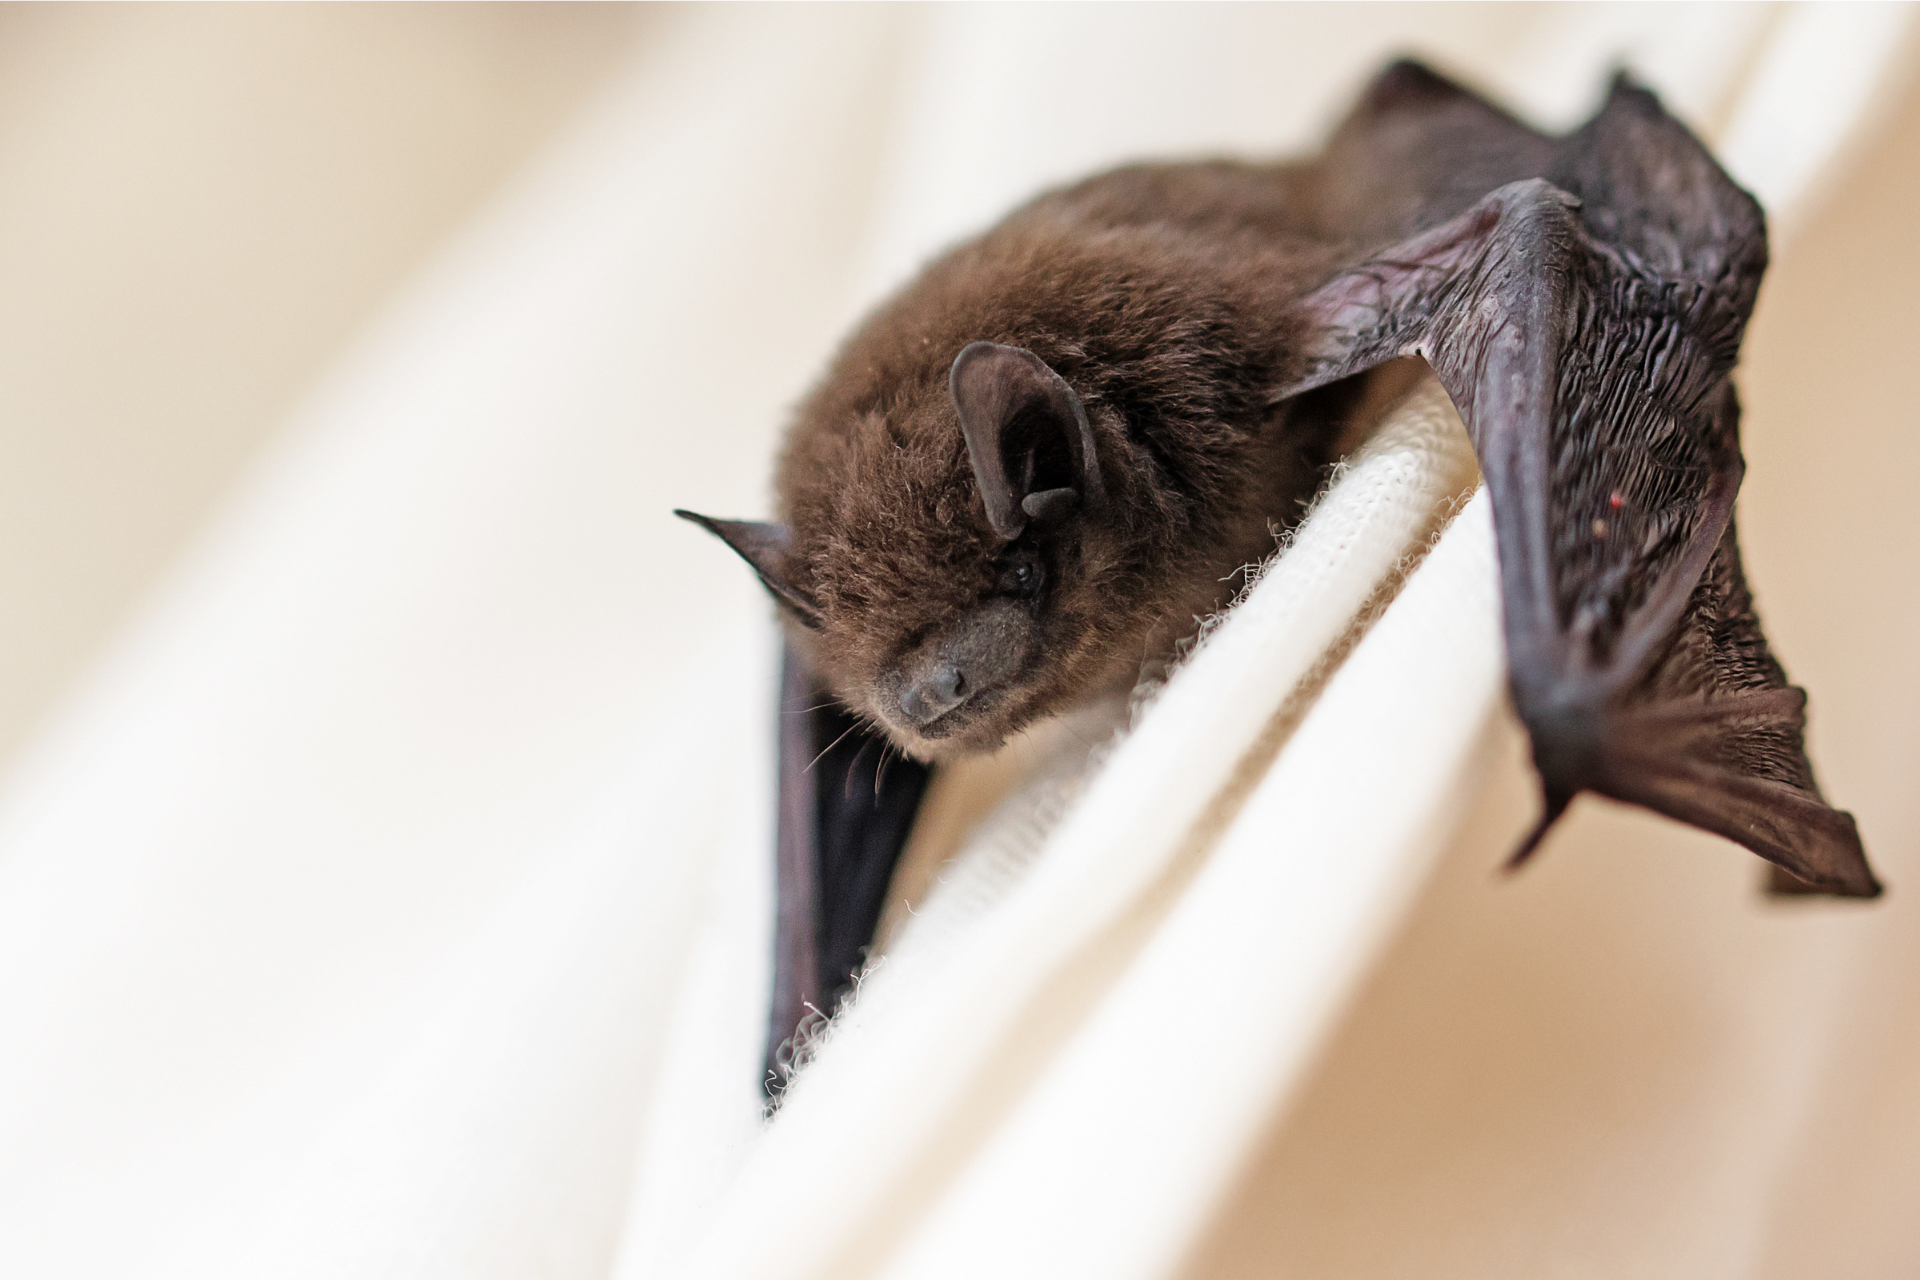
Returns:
<point x="847" y="804"/>
<point x="1585" y="322"/>
<point x="1415" y="151"/>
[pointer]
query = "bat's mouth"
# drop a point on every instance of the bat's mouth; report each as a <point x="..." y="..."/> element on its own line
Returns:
<point x="975" y="726"/>
<point x="952" y="724"/>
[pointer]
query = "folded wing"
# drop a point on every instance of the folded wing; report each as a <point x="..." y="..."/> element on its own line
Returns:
<point x="1585" y="320"/>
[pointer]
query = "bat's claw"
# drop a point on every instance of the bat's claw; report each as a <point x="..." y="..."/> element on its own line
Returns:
<point x="1555" y="803"/>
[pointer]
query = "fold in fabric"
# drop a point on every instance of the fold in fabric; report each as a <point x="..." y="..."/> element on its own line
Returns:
<point x="393" y="903"/>
<point x="941" y="1039"/>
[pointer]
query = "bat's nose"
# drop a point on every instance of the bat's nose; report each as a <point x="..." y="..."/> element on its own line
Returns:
<point x="936" y="692"/>
<point x="971" y="665"/>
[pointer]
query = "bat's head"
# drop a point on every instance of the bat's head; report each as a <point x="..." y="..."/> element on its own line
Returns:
<point x="950" y="565"/>
<point x="978" y="534"/>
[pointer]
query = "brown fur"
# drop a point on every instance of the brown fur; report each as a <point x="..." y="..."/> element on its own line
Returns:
<point x="1161" y="294"/>
<point x="1169" y="338"/>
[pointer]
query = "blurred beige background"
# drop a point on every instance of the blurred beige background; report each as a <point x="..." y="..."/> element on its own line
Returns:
<point x="322" y="925"/>
<point x="199" y="204"/>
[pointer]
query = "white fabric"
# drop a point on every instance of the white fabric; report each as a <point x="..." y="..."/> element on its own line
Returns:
<point x="1296" y="890"/>
<point x="386" y="906"/>
<point x="939" y="1042"/>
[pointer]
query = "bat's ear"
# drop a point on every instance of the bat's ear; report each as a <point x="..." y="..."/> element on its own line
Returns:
<point x="1027" y="436"/>
<point x="764" y="546"/>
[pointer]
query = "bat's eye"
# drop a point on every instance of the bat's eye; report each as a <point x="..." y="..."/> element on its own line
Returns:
<point x="1022" y="574"/>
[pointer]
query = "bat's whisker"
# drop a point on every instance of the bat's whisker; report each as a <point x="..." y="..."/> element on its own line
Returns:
<point x="846" y="786"/>
<point x="830" y="746"/>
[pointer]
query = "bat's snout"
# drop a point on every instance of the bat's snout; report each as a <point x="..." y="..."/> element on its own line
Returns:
<point x="946" y="688"/>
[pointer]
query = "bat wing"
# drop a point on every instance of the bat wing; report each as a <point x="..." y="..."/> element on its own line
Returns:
<point x="847" y="803"/>
<point x="1585" y="320"/>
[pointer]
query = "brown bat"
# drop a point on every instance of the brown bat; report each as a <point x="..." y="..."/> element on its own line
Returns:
<point x="1032" y="468"/>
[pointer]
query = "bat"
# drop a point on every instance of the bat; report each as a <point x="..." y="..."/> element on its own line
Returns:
<point x="1029" y="471"/>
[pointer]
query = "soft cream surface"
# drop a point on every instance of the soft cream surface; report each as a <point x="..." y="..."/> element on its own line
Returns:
<point x="393" y="900"/>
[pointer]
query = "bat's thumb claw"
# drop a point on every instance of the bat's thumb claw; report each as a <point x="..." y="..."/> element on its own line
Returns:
<point x="1555" y="804"/>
